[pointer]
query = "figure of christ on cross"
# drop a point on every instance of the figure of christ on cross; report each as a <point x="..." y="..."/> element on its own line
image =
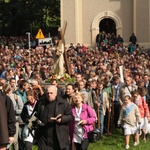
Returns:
<point x="59" y="60"/>
<point x="60" y="57"/>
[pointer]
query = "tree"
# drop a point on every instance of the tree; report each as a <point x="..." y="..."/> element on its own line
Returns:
<point x="20" y="16"/>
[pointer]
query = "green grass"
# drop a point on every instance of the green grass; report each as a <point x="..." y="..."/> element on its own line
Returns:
<point x="115" y="142"/>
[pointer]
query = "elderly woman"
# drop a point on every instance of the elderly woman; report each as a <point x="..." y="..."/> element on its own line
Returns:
<point x="84" y="117"/>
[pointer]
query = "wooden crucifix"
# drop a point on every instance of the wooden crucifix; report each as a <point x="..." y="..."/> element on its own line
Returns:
<point x="61" y="45"/>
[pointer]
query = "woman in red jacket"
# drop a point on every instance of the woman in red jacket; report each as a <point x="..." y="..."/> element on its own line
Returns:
<point x="143" y="109"/>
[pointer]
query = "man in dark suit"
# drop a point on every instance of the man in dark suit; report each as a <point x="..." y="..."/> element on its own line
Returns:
<point x="133" y="39"/>
<point x="55" y="114"/>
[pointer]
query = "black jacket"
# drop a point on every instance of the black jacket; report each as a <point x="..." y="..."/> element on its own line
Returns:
<point x="62" y="131"/>
<point x="7" y="119"/>
<point x="25" y="116"/>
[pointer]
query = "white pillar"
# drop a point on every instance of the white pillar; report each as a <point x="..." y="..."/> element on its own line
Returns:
<point x="94" y="31"/>
<point x="119" y="31"/>
<point x="134" y="16"/>
<point x="61" y="12"/>
<point x="78" y="21"/>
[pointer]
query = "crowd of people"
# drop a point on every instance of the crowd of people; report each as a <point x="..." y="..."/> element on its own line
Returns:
<point x="70" y="112"/>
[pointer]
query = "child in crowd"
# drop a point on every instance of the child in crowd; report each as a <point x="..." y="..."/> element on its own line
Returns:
<point x="129" y="117"/>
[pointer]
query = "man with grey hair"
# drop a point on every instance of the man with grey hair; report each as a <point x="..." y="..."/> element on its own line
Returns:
<point x="127" y="88"/>
<point x="55" y="113"/>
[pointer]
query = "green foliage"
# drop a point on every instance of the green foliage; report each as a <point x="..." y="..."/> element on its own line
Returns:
<point x="116" y="141"/>
<point x="20" y="16"/>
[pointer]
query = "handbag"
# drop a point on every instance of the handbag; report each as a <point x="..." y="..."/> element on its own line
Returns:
<point x="94" y="135"/>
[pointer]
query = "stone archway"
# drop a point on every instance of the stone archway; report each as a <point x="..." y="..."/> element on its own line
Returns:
<point x="101" y="16"/>
<point x="108" y="25"/>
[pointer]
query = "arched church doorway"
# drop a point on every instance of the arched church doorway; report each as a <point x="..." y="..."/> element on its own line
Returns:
<point x="108" y="25"/>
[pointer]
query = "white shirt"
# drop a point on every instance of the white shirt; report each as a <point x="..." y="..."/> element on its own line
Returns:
<point x="78" y="130"/>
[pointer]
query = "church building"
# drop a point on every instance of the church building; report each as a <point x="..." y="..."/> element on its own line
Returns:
<point x="85" y="18"/>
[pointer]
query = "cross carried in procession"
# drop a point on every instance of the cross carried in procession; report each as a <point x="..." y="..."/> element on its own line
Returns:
<point x="61" y="45"/>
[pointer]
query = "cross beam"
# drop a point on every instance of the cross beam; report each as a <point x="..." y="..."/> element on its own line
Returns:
<point x="62" y="41"/>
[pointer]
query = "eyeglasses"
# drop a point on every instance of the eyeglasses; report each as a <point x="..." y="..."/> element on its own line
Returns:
<point x="49" y="93"/>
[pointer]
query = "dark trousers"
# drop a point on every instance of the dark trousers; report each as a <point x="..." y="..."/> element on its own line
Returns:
<point x="48" y="140"/>
<point x="44" y="145"/>
<point x="28" y="145"/>
<point x="83" y="146"/>
<point x="21" y="144"/>
<point x="117" y="108"/>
